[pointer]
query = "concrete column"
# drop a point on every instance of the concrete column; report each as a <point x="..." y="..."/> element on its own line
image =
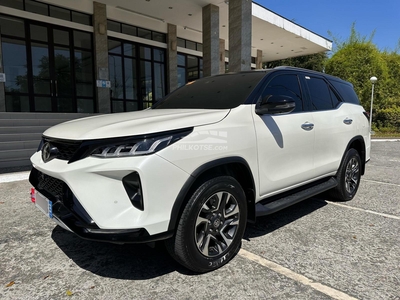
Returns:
<point x="101" y="55"/>
<point x="211" y="44"/>
<point x="221" y="56"/>
<point x="259" y="59"/>
<point x="2" y="84"/>
<point x="239" y="35"/>
<point x="172" y="58"/>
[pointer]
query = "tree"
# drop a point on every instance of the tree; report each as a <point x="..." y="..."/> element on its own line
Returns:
<point x="358" y="59"/>
<point x="314" y="62"/>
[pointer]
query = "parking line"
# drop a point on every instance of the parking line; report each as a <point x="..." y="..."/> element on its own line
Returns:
<point x="14" y="177"/>
<point x="364" y="210"/>
<point x="380" y="182"/>
<point x="331" y="292"/>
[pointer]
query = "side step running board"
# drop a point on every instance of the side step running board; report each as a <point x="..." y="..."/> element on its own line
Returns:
<point x="281" y="203"/>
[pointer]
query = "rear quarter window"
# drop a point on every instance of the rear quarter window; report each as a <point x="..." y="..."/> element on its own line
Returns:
<point x="346" y="92"/>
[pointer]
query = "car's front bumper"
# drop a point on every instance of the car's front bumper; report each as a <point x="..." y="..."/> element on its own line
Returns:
<point x="89" y="198"/>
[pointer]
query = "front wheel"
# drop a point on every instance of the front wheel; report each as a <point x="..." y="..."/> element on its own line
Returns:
<point x="212" y="225"/>
<point x="348" y="177"/>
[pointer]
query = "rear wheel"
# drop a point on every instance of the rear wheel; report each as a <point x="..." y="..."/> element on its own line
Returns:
<point x="348" y="177"/>
<point x="211" y="227"/>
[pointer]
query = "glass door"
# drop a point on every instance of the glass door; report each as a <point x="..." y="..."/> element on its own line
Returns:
<point x="52" y="68"/>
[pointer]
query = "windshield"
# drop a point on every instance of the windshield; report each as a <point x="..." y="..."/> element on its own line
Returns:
<point x="216" y="92"/>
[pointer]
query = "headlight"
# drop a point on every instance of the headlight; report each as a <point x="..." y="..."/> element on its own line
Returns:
<point x="134" y="146"/>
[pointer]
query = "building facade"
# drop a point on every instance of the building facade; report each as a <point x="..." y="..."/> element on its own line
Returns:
<point x="63" y="59"/>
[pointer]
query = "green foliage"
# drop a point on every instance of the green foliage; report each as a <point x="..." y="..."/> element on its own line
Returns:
<point x="356" y="60"/>
<point x="314" y="62"/>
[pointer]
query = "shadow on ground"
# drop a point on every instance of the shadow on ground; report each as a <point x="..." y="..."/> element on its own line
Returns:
<point x="140" y="262"/>
<point x="268" y="224"/>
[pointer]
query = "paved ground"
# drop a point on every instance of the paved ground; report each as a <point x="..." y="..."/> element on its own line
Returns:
<point x="314" y="250"/>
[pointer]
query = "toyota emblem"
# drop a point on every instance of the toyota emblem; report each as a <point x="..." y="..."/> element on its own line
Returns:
<point x="49" y="152"/>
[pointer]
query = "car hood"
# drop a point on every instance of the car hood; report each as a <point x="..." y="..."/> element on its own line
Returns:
<point x="134" y="123"/>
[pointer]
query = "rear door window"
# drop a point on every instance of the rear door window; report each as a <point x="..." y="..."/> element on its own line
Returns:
<point x="320" y="93"/>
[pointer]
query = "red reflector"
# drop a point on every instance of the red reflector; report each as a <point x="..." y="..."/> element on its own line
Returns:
<point x="33" y="195"/>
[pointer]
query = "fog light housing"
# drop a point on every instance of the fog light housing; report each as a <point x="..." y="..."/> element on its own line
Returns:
<point x="133" y="188"/>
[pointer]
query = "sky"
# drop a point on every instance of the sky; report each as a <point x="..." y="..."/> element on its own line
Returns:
<point x="337" y="16"/>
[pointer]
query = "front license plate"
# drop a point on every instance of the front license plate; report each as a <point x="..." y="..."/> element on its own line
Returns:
<point x="44" y="204"/>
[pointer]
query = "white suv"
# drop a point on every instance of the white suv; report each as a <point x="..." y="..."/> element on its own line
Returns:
<point x="205" y="160"/>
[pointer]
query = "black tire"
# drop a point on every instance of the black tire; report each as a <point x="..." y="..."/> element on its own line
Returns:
<point x="210" y="234"/>
<point x="348" y="177"/>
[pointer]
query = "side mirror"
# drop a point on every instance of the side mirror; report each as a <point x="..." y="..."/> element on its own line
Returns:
<point x="275" y="104"/>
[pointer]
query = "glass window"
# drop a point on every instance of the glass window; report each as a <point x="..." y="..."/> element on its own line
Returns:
<point x="130" y="79"/>
<point x="335" y="99"/>
<point x="15" y="65"/>
<point x="36" y="7"/>
<point x="181" y="76"/>
<point x="116" y="78"/>
<point x="285" y="85"/>
<point x="181" y="60"/>
<point x="84" y="73"/>
<point x="192" y="68"/>
<point x="40" y="68"/>
<point x="113" y="26"/>
<point x="18" y="4"/>
<point x="146" y="78"/>
<point x="13" y="27"/>
<point x="200" y="47"/>
<point x="144" y="33"/>
<point x="319" y="92"/>
<point x="81" y="18"/>
<point x="159" y="55"/>
<point x="181" y="43"/>
<point x="39" y="33"/>
<point x="159" y="81"/>
<point x="65" y="105"/>
<point x="85" y="106"/>
<point x="60" y="13"/>
<point x="218" y="92"/>
<point x="82" y="39"/>
<point x="128" y="29"/>
<point x="145" y="52"/>
<point x="61" y="37"/>
<point x="43" y="104"/>
<point x="191" y="45"/>
<point x="346" y="91"/>
<point x="159" y="37"/>
<point x="114" y="46"/>
<point x="129" y="50"/>
<point x="17" y="103"/>
<point x="117" y="106"/>
<point x="131" y="106"/>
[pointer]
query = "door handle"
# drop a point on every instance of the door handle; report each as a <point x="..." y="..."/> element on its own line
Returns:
<point x="307" y="126"/>
<point x="56" y="85"/>
<point x="51" y="88"/>
<point x="347" y="121"/>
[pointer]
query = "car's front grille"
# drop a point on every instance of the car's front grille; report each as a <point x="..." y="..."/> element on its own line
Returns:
<point x="66" y="149"/>
<point x="50" y="185"/>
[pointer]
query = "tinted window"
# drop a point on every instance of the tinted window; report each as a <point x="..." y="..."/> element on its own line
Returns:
<point x="320" y="94"/>
<point x="285" y="85"/>
<point x="346" y="91"/>
<point x="217" y="92"/>
<point x="335" y="99"/>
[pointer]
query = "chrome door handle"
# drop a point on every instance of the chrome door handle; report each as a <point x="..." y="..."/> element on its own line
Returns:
<point x="307" y="126"/>
<point x="347" y="121"/>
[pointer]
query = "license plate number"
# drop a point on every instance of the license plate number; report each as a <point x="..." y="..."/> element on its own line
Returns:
<point x="44" y="204"/>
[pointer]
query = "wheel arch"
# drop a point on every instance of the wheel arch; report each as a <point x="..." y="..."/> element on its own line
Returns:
<point x="237" y="167"/>
<point x="358" y="144"/>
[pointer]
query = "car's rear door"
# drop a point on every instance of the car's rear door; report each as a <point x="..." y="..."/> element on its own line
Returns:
<point x="334" y="124"/>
